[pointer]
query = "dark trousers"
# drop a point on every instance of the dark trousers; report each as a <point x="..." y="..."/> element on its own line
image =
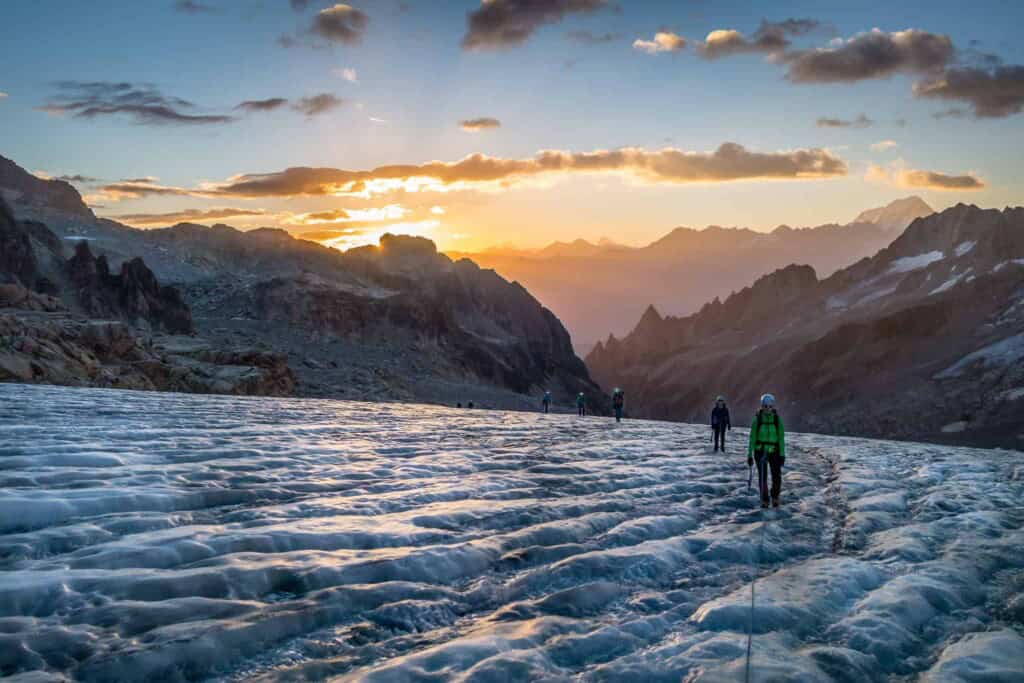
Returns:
<point x="618" y="413"/>
<point x="545" y="406"/>
<point x="766" y="462"/>
<point x="580" y="410"/>
<point x="719" y="438"/>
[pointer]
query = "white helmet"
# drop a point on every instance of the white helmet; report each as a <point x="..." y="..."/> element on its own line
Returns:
<point x="767" y="401"/>
<point x="720" y="398"/>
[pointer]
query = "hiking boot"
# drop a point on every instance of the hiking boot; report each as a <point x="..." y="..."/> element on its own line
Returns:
<point x="775" y="502"/>
<point x="764" y="503"/>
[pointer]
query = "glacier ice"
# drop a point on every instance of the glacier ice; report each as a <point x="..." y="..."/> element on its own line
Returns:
<point x="165" y="536"/>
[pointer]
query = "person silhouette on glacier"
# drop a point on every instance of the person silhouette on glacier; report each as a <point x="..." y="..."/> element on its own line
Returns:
<point x="768" y="449"/>
<point x="581" y="404"/>
<point x="618" y="402"/>
<point x="720" y="422"/>
<point x="546" y="401"/>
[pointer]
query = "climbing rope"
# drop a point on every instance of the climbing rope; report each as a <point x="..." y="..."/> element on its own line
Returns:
<point x="753" y="583"/>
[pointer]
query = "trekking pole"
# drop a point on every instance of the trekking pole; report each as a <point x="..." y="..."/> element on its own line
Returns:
<point x="750" y="477"/>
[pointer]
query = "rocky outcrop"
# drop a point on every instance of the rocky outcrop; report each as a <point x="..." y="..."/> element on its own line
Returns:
<point x="39" y="195"/>
<point x="69" y="350"/>
<point x="75" y="323"/>
<point x="868" y="351"/>
<point x="133" y="295"/>
<point x="449" y="320"/>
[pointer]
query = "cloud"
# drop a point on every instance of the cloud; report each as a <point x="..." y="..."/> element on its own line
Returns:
<point x="991" y="93"/>
<point x="500" y="24"/>
<point x="144" y="104"/>
<point x="193" y="7"/>
<point x="149" y="179"/>
<point x="391" y="212"/>
<point x="262" y="105"/>
<point x="3" y="94"/>
<point x="926" y="180"/>
<point x="729" y="162"/>
<point x="135" y="189"/>
<point x="770" y="37"/>
<point x="77" y="178"/>
<point x="340" y="24"/>
<point x="348" y="73"/>
<point x="438" y="210"/>
<point x="479" y="124"/>
<point x="186" y="216"/>
<point x="318" y="104"/>
<point x="951" y="113"/>
<point x="861" y="121"/>
<point x="591" y="38"/>
<point x="883" y="145"/>
<point x="874" y="54"/>
<point x="663" y="41"/>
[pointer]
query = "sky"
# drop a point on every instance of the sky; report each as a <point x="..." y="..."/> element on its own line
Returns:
<point x="513" y="122"/>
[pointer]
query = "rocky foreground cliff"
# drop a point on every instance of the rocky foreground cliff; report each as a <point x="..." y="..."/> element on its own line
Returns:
<point x="72" y="321"/>
<point x="923" y="341"/>
<point x="397" y="321"/>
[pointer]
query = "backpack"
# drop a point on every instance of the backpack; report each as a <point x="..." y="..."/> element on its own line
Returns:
<point x="760" y="421"/>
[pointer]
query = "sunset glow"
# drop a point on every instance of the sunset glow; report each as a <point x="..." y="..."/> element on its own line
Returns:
<point x="624" y="124"/>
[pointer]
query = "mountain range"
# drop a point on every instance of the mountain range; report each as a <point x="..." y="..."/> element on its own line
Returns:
<point x="398" y="321"/>
<point x="600" y="288"/>
<point x="922" y="341"/>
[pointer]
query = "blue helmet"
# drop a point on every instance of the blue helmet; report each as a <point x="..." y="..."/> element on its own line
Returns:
<point x="767" y="401"/>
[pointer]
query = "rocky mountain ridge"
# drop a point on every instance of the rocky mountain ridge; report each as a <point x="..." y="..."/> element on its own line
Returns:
<point x="922" y="341"/>
<point x="393" y="321"/>
<point x="687" y="267"/>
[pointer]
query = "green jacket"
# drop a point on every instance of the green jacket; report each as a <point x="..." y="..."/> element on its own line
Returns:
<point x="769" y="433"/>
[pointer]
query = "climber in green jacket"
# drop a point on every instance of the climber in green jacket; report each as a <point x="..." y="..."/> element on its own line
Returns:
<point x="768" y="449"/>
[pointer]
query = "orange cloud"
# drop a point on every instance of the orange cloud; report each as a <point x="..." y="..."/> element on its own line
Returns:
<point x="663" y="41"/>
<point x="730" y="162"/>
<point x="928" y="180"/>
<point x="186" y="216"/>
<point x="390" y="212"/>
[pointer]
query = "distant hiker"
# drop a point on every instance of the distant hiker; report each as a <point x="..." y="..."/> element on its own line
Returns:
<point x="459" y="404"/>
<point x="618" y="400"/>
<point x="546" y="401"/>
<point x="720" y="422"/>
<point x="768" y="449"/>
<point x="469" y="405"/>
<point x="581" y="404"/>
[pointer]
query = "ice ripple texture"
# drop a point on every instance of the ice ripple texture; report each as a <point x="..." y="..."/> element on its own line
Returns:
<point x="169" y="537"/>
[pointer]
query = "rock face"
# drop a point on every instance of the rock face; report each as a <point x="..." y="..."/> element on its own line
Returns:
<point x="923" y="341"/>
<point x="600" y="288"/>
<point x="133" y="295"/>
<point x="69" y="350"/>
<point x="449" y="320"/>
<point x="39" y="195"/>
<point x="73" y="322"/>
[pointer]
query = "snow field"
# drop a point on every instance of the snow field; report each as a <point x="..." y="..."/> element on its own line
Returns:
<point x="177" y="537"/>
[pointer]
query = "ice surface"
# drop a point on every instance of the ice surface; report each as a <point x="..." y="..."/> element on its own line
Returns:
<point x="161" y="536"/>
<point x="909" y="263"/>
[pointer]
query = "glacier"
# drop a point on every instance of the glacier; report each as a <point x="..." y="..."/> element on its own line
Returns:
<point x="174" y="537"/>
